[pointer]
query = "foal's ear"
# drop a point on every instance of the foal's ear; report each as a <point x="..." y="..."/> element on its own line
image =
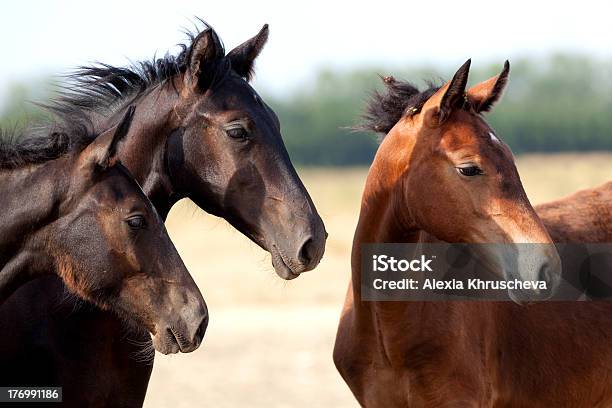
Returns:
<point x="449" y="97"/>
<point x="243" y="56"/>
<point x="101" y="153"/>
<point x="206" y="50"/>
<point x="484" y="95"/>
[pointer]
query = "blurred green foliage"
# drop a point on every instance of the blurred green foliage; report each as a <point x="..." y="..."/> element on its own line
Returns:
<point x="558" y="103"/>
<point x="19" y="106"/>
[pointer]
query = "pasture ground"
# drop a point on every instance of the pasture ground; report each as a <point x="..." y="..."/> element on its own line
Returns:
<point x="269" y="342"/>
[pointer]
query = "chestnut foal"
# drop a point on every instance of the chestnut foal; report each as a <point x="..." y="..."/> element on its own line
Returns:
<point x="442" y="173"/>
<point x="585" y="216"/>
<point x="81" y="216"/>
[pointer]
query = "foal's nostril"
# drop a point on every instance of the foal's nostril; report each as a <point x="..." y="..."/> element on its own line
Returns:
<point x="199" y="334"/>
<point x="551" y="276"/>
<point x="306" y="254"/>
<point x="546" y="274"/>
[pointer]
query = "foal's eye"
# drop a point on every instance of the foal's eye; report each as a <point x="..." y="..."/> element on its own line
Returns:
<point x="470" y="171"/>
<point x="237" y="133"/>
<point x="136" y="222"/>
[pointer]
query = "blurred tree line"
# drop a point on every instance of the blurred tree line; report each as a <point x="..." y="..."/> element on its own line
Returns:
<point x="553" y="104"/>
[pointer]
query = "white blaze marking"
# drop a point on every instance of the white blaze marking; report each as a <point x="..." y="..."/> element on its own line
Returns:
<point x="493" y="137"/>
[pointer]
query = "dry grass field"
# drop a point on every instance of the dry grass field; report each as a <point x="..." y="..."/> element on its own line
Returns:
<point x="269" y="342"/>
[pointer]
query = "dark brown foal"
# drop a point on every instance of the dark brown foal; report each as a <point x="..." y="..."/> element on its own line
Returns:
<point x="83" y="217"/>
<point x="202" y="132"/>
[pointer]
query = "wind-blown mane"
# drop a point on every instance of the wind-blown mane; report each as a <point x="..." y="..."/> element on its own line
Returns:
<point x="95" y="91"/>
<point x="91" y="88"/>
<point x="17" y="150"/>
<point x="100" y="88"/>
<point x="400" y="98"/>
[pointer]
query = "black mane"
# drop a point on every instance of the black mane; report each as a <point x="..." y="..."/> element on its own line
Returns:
<point x="100" y="87"/>
<point x="385" y="109"/>
<point x="89" y="87"/>
<point x="90" y="91"/>
<point x="18" y="150"/>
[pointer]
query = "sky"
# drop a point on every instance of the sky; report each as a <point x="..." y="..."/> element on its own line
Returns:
<point x="42" y="38"/>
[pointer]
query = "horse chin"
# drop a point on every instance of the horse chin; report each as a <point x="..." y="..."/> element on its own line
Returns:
<point x="516" y="298"/>
<point x="523" y="298"/>
<point x="166" y="343"/>
<point x="280" y="266"/>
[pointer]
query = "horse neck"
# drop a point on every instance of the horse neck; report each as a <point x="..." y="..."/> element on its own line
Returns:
<point x="143" y="152"/>
<point x="381" y="219"/>
<point x="385" y="218"/>
<point x="31" y="199"/>
<point x="47" y="182"/>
